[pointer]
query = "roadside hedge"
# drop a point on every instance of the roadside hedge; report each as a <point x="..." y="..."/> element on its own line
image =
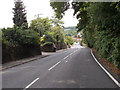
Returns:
<point x="102" y="30"/>
<point x="18" y="44"/>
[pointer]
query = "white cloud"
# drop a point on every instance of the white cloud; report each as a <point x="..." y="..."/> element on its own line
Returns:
<point x="68" y="19"/>
<point x="33" y="7"/>
<point x="6" y="13"/>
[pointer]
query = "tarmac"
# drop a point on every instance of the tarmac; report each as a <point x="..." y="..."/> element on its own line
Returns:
<point x="26" y="60"/>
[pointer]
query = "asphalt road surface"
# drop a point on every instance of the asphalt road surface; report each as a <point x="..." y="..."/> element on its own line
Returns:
<point x="71" y="68"/>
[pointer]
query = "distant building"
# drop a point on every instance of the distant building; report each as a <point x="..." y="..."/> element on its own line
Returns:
<point x="76" y="39"/>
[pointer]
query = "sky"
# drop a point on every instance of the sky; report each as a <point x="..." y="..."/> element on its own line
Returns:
<point x="33" y="7"/>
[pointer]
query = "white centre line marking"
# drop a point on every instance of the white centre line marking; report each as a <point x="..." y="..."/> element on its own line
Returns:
<point x="66" y="57"/>
<point x="60" y="61"/>
<point x="54" y="66"/>
<point x="66" y="61"/>
<point x="71" y="53"/>
<point x="75" y="51"/>
<point x="31" y="83"/>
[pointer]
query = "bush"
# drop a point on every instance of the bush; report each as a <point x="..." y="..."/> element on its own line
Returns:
<point x="20" y="37"/>
<point x="69" y="40"/>
<point x="108" y="46"/>
<point x="49" y="47"/>
<point x="115" y="54"/>
<point x="28" y="37"/>
<point x="18" y="44"/>
<point x="49" y="37"/>
<point x="88" y="37"/>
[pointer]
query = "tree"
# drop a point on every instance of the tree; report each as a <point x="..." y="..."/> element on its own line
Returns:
<point x="26" y="37"/>
<point x="69" y="40"/>
<point x="60" y="8"/>
<point x="19" y="18"/>
<point x="58" y="34"/>
<point x="57" y="22"/>
<point x="43" y="23"/>
<point x="100" y="25"/>
<point x="49" y="37"/>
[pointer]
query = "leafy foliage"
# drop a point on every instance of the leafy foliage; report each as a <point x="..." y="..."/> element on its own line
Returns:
<point x="20" y="37"/>
<point x="50" y="29"/>
<point x="49" y="37"/>
<point x="101" y="28"/>
<point x="69" y="40"/>
<point x="58" y="34"/>
<point x="57" y="22"/>
<point x="106" y="18"/>
<point x="70" y="31"/>
<point x="43" y="24"/>
<point x="59" y="8"/>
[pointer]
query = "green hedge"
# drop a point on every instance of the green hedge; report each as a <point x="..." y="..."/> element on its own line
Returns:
<point x="106" y="44"/>
<point x="20" y="37"/>
<point x="17" y="44"/>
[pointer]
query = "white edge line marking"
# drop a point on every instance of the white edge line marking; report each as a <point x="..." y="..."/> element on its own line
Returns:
<point x="115" y="81"/>
<point x="54" y="66"/>
<point x="31" y="83"/>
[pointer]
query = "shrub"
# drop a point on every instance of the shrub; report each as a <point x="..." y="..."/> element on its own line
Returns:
<point x="20" y="37"/>
<point x="17" y="44"/>
<point x="27" y="37"/>
<point x="49" y="37"/>
<point x="69" y="40"/>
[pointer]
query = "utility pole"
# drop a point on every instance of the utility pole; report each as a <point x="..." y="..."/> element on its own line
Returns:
<point x="38" y="16"/>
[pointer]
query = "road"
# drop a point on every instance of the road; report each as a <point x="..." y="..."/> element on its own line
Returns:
<point x="71" y="68"/>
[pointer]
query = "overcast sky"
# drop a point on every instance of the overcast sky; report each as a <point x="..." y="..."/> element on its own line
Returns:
<point x="33" y="7"/>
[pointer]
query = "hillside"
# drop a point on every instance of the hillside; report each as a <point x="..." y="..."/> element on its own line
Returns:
<point x="70" y="31"/>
